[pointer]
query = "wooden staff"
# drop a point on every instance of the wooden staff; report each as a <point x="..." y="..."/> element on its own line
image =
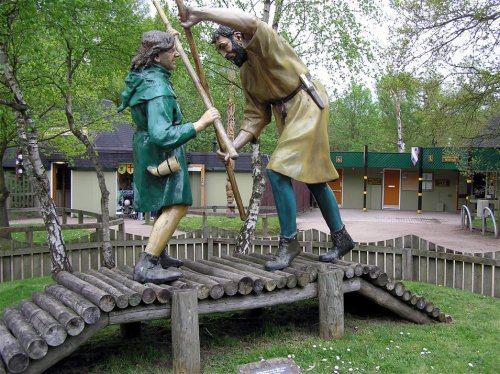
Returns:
<point x="200" y="82"/>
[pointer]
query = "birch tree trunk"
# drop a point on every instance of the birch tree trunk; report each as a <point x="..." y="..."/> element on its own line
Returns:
<point x="4" y="195"/>
<point x="244" y="239"/>
<point x="397" y="108"/>
<point x="94" y="157"/>
<point x="28" y="141"/>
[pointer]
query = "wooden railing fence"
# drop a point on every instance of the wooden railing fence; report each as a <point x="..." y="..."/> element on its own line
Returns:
<point x="403" y="258"/>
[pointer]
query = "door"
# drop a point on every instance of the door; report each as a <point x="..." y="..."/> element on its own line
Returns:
<point x="392" y="180"/>
<point x="336" y="187"/>
<point x="61" y="185"/>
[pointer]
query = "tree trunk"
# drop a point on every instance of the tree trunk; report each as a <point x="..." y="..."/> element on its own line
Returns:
<point x="94" y="157"/>
<point x="244" y="239"/>
<point x="397" y="109"/>
<point x="4" y="195"/>
<point x="28" y="140"/>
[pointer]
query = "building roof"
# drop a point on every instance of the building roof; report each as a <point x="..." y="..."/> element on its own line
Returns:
<point x="433" y="159"/>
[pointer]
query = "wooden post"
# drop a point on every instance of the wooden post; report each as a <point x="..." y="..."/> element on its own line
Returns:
<point x="331" y="304"/>
<point x="265" y="225"/>
<point x="407" y="264"/>
<point x="185" y="332"/>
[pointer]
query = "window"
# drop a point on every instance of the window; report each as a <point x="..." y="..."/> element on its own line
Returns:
<point x="427" y="182"/>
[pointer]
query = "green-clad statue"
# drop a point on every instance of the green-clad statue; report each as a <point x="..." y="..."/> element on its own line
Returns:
<point x="161" y="180"/>
<point x="275" y="80"/>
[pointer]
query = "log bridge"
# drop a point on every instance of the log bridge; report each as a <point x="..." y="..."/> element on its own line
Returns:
<point x="38" y="333"/>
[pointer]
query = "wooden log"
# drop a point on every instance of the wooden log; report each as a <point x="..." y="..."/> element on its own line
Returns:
<point x="291" y="279"/>
<point x="185" y="332"/>
<point x="303" y="278"/>
<point x="134" y="297"/>
<point x="346" y="270"/>
<point x="309" y="267"/>
<point x="88" y="311"/>
<point x="230" y="286"/>
<point x="357" y="267"/>
<point x="102" y="299"/>
<point x="49" y="329"/>
<point x="264" y="300"/>
<point x="245" y="283"/>
<point x="72" y="343"/>
<point x="374" y="272"/>
<point x="120" y="298"/>
<point x="258" y="284"/>
<point x="216" y="289"/>
<point x="281" y="281"/>
<point x="203" y="292"/>
<point x="388" y="301"/>
<point x="2" y="367"/>
<point x="446" y="318"/>
<point x="179" y="284"/>
<point x="32" y="343"/>
<point x="15" y="358"/>
<point x="123" y="273"/>
<point x="429" y="308"/>
<point x="421" y="302"/>
<point x="269" y="283"/>
<point x="413" y="299"/>
<point x="331" y="304"/>
<point x="435" y="313"/>
<point x="399" y="289"/>
<point x="71" y="321"/>
<point x="162" y="294"/>
<point x="148" y="296"/>
<point x="381" y="280"/>
<point x="406" y="296"/>
<point x="390" y="285"/>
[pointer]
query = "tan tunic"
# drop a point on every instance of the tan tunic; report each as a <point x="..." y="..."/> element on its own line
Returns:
<point x="272" y="73"/>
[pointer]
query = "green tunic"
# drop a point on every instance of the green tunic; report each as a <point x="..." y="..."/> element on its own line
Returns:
<point x="160" y="134"/>
<point x="272" y="73"/>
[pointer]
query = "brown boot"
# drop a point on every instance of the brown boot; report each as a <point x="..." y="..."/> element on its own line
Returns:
<point x="288" y="249"/>
<point x="149" y="270"/>
<point x="167" y="261"/>
<point x="342" y="243"/>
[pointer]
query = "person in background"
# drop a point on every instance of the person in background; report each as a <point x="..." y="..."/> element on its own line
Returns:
<point x="275" y="80"/>
<point x="161" y="180"/>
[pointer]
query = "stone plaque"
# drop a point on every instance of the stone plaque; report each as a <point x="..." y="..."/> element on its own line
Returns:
<point x="272" y="366"/>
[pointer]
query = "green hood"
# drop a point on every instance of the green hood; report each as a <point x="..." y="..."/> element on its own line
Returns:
<point x="146" y="84"/>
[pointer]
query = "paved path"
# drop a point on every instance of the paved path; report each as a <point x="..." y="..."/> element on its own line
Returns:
<point x="441" y="228"/>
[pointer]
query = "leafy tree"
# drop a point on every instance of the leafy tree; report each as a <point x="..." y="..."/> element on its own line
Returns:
<point x="459" y="39"/>
<point x="59" y="58"/>
<point x="356" y="121"/>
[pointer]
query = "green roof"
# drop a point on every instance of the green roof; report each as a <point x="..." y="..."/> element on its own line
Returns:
<point x="485" y="159"/>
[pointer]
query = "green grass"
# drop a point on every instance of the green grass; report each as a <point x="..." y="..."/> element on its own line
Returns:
<point x="40" y="237"/>
<point x="193" y="222"/>
<point x="478" y="223"/>
<point x="375" y="340"/>
<point x="13" y="292"/>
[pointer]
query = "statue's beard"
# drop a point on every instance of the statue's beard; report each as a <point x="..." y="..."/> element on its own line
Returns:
<point x="240" y="54"/>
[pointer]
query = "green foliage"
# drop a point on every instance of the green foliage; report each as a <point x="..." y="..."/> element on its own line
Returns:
<point x="356" y="121"/>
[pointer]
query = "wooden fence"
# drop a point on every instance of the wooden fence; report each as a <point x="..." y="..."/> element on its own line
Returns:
<point x="404" y="258"/>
